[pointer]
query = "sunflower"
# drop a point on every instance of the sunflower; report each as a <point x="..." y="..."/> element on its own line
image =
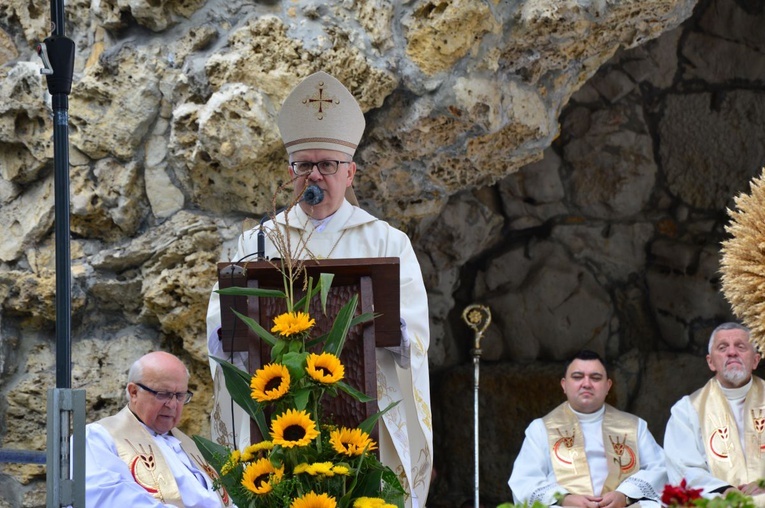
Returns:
<point x="313" y="500"/>
<point x="270" y="382"/>
<point x="259" y="477"/>
<point x="351" y="442"/>
<point x="371" y="502"/>
<point x="292" y="323"/>
<point x="293" y="428"/>
<point x="325" y="368"/>
<point x="249" y="453"/>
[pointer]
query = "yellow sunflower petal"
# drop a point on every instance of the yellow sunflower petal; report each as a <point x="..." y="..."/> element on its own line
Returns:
<point x="313" y="500"/>
<point x="260" y="477"/>
<point x="293" y="428"/>
<point x="351" y="442"/>
<point x="271" y="382"/>
<point x="292" y="323"/>
<point x="325" y="368"/>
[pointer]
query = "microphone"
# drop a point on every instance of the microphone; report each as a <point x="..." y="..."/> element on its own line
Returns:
<point x="313" y="195"/>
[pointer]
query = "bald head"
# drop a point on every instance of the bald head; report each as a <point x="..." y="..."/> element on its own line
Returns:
<point x="157" y="372"/>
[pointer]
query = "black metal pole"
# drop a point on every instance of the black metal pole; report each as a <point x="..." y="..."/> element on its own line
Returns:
<point x="57" y="52"/>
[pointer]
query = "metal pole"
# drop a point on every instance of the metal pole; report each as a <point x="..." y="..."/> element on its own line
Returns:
<point x="64" y="488"/>
<point x="477" y="317"/>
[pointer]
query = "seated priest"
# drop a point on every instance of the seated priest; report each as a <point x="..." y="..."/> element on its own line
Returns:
<point x="585" y="452"/>
<point x="722" y="450"/>
<point x="138" y="458"/>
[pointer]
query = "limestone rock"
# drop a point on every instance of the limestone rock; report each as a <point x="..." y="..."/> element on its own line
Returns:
<point x="8" y="49"/>
<point x="229" y="146"/>
<point x="26" y="130"/>
<point x="27" y="219"/>
<point x="108" y="203"/>
<point x="115" y="103"/>
<point x="439" y="33"/>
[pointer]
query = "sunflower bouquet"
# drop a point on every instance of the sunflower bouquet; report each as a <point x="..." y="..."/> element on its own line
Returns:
<point x="306" y="460"/>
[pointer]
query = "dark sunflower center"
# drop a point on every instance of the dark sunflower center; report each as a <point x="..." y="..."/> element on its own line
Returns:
<point x="260" y="480"/>
<point x="324" y="371"/>
<point x="273" y="384"/>
<point x="294" y="433"/>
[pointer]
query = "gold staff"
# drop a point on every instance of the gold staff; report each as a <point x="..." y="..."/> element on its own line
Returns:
<point x="478" y="318"/>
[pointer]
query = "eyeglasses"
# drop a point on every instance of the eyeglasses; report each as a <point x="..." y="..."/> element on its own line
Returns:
<point x="304" y="168"/>
<point x="182" y="397"/>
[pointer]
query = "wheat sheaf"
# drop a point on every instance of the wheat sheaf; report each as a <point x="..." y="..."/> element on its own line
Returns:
<point x="743" y="260"/>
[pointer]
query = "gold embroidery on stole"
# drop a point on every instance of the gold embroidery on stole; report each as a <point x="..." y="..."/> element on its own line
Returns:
<point x="149" y="469"/>
<point x="719" y="431"/>
<point x="567" y="450"/>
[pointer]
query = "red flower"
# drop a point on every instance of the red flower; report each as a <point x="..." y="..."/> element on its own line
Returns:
<point x="682" y="495"/>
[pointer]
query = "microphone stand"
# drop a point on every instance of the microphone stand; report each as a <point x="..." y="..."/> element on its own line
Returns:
<point x="65" y="407"/>
<point x="477" y="317"/>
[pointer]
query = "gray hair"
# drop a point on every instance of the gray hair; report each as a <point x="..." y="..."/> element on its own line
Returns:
<point x="731" y="325"/>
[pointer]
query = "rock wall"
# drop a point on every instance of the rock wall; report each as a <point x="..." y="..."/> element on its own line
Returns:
<point x="566" y="162"/>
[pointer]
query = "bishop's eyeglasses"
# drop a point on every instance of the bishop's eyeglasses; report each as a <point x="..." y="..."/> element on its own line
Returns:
<point x="304" y="168"/>
<point x="182" y="397"/>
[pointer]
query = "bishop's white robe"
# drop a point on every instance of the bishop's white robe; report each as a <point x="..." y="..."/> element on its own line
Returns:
<point x="406" y="433"/>
<point x="533" y="477"/>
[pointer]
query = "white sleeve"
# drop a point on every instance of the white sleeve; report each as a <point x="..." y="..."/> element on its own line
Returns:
<point x="649" y="481"/>
<point x="108" y="481"/>
<point x="684" y="447"/>
<point x="533" y="478"/>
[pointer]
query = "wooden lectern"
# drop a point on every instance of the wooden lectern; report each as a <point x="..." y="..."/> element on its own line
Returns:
<point x="374" y="280"/>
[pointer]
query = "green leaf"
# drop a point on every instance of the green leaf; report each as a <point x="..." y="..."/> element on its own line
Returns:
<point x="325" y="282"/>
<point x="240" y="291"/>
<point x="363" y="318"/>
<point x="217" y="456"/>
<point x="259" y="330"/>
<point x="278" y="349"/>
<point x="336" y="336"/>
<point x="301" y="398"/>
<point x="369" y="424"/>
<point x="353" y="392"/>
<point x="295" y="363"/>
<point x="238" y="385"/>
<point x="304" y="302"/>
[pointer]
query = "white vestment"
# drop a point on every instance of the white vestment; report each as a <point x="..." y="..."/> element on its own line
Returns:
<point x="406" y="433"/>
<point x="533" y="477"/>
<point x="109" y="482"/>
<point x="684" y="444"/>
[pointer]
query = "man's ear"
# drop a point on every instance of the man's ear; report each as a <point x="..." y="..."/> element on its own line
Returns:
<point x="709" y="363"/>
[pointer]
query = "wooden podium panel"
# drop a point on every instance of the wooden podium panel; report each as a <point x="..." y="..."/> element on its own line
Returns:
<point x="374" y="280"/>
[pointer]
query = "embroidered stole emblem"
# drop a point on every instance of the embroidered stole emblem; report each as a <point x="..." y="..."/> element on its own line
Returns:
<point x="722" y="441"/>
<point x="567" y="450"/>
<point x="148" y="467"/>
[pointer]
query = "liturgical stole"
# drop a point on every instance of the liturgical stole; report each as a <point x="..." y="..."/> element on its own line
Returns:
<point x="719" y="431"/>
<point x="564" y="434"/>
<point x="137" y="448"/>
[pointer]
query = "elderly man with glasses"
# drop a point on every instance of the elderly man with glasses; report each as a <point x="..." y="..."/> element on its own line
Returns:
<point x="321" y="125"/>
<point x="138" y="458"/>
